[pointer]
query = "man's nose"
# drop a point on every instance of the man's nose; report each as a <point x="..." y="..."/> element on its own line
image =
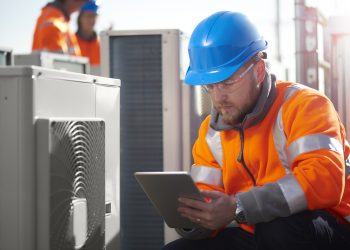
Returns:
<point x="218" y="95"/>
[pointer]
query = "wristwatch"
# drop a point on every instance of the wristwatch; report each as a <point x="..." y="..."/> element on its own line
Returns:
<point x="239" y="213"/>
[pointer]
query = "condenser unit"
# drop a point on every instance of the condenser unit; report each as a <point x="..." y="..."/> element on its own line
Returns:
<point x="155" y="123"/>
<point x="6" y="57"/>
<point x="59" y="158"/>
<point x="54" y="61"/>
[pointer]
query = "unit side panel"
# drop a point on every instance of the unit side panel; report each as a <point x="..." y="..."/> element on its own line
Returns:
<point x="107" y="108"/>
<point x="61" y="98"/>
<point x="17" y="210"/>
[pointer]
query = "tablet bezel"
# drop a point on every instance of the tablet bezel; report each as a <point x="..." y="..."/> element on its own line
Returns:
<point x="163" y="190"/>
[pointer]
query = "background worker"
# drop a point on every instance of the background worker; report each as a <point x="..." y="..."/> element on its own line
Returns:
<point x="87" y="37"/>
<point x="88" y="40"/>
<point x="52" y="32"/>
<point x="272" y="155"/>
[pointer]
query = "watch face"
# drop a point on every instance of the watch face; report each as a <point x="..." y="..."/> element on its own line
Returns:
<point x="240" y="217"/>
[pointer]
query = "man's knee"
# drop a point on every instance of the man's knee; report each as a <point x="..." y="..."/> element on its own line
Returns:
<point x="284" y="232"/>
<point x="169" y="246"/>
<point x="183" y="244"/>
<point x="273" y="230"/>
<point x="173" y="245"/>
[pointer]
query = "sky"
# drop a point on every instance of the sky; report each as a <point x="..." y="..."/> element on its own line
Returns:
<point x="18" y="17"/>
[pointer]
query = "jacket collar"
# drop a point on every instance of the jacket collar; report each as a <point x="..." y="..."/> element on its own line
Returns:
<point x="80" y="34"/>
<point x="58" y="5"/>
<point x="265" y="100"/>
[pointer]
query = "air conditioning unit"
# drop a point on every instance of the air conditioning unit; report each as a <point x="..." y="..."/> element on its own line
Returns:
<point x="70" y="169"/>
<point x="59" y="160"/>
<point x="156" y="123"/>
<point x="6" y="57"/>
<point x="54" y="61"/>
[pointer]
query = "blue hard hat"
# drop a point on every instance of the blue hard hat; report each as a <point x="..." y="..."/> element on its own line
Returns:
<point x="220" y="45"/>
<point x="91" y="6"/>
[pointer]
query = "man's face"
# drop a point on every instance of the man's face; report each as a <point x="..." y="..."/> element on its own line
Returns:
<point x="74" y="5"/>
<point x="87" y="21"/>
<point x="234" y="101"/>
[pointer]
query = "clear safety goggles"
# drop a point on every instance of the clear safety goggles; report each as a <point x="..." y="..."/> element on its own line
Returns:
<point x="228" y="85"/>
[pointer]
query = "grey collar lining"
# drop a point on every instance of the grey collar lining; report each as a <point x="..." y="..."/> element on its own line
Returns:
<point x="266" y="98"/>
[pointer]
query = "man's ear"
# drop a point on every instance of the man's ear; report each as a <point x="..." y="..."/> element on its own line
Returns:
<point x="260" y="71"/>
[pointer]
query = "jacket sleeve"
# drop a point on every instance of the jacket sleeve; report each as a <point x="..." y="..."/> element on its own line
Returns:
<point x="206" y="170"/>
<point x="315" y="155"/>
<point x="53" y="38"/>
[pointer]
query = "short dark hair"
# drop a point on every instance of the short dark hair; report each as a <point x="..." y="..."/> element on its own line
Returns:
<point x="259" y="55"/>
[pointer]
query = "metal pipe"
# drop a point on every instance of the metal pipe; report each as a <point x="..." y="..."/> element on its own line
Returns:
<point x="299" y="43"/>
<point x="278" y="31"/>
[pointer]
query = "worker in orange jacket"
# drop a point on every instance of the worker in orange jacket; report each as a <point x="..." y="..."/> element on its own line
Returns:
<point x="52" y="32"/>
<point x="88" y="40"/>
<point x="271" y="158"/>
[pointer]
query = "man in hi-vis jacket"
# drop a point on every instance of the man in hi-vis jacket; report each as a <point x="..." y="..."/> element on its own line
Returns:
<point x="52" y="32"/>
<point x="271" y="158"/>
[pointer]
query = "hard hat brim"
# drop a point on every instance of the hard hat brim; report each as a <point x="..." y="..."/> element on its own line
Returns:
<point x="211" y="77"/>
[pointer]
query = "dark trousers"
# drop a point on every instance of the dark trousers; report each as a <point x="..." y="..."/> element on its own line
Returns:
<point x="309" y="230"/>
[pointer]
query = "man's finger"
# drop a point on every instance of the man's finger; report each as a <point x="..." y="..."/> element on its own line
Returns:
<point x="196" y="204"/>
<point x="193" y="215"/>
<point x="212" y="194"/>
<point x="187" y="212"/>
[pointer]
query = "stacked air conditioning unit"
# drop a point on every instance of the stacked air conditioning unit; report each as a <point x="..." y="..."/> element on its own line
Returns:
<point x="59" y="160"/>
<point x="6" y="57"/>
<point x="158" y="120"/>
<point x="54" y="61"/>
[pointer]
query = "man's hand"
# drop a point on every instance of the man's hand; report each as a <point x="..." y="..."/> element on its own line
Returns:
<point x="213" y="214"/>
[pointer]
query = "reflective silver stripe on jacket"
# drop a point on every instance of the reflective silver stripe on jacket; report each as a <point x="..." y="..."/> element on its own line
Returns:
<point x="207" y="175"/>
<point x="289" y="186"/>
<point x="293" y="193"/>
<point x="279" y="136"/>
<point x="310" y="143"/>
<point x="214" y="142"/>
<point x="280" y="140"/>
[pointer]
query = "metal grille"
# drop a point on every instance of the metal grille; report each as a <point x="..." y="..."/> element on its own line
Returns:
<point x="137" y="61"/>
<point x="77" y="155"/>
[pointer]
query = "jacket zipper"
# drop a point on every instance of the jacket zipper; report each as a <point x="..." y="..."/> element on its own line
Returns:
<point x="240" y="157"/>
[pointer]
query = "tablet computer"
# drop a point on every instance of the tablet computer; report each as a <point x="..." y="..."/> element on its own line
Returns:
<point x="163" y="189"/>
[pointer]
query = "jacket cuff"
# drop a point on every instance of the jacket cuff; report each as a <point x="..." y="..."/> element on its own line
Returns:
<point x="263" y="204"/>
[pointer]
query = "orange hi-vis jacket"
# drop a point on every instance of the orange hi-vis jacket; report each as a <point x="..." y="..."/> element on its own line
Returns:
<point x="90" y="48"/>
<point x="52" y="32"/>
<point x="290" y="154"/>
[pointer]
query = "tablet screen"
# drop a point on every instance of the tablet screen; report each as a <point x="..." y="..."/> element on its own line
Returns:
<point x="163" y="189"/>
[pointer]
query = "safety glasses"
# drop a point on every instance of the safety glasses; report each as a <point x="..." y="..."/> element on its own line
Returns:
<point x="228" y="85"/>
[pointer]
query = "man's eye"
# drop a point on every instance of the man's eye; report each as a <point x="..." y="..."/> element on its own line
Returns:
<point x="227" y="83"/>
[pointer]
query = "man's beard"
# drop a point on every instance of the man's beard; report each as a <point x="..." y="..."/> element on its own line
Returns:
<point x="239" y="113"/>
<point x="233" y="119"/>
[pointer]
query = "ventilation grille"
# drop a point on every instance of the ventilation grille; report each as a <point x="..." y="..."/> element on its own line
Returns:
<point x="77" y="162"/>
<point x="137" y="61"/>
